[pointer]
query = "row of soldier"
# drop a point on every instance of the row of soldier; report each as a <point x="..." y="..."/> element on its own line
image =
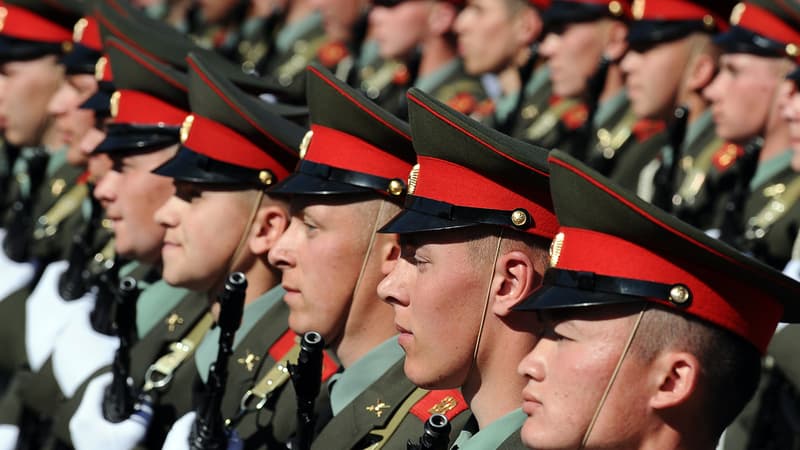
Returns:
<point x="160" y="161"/>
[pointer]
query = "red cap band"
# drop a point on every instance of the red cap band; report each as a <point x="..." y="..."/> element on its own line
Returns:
<point x="221" y="143"/>
<point x="138" y="108"/>
<point x="23" y="24"/>
<point x="675" y="10"/>
<point x="451" y="183"/>
<point x="344" y="151"/>
<point x="765" y="23"/>
<point x="741" y="308"/>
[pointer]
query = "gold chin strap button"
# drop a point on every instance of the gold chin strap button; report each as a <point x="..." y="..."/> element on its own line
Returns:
<point x="519" y="218"/>
<point x="680" y="295"/>
<point x="265" y="177"/>
<point x="615" y="8"/>
<point x="396" y="187"/>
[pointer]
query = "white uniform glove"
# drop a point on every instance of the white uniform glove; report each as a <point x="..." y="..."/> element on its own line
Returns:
<point x="46" y="314"/>
<point x="91" y="431"/>
<point x="178" y="436"/>
<point x="79" y="352"/>
<point x="8" y="437"/>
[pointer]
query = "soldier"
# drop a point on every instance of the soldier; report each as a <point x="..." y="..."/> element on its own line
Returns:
<point x="295" y="44"/>
<point x="763" y="424"/>
<point x="466" y="261"/>
<point x="499" y="38"/>
<point x="403" y="29"/>
<point x="663" y="37"/>
<point x="760" y="49"/>
<point x="345" y="24"/>
<point x="641" y="345"/>
<point x="347" y="185"/>
<point x="585" y="42"/>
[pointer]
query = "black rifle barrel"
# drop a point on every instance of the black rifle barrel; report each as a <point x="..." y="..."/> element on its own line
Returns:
<point x="208" y="431"/>
<point x="306" y="378"/>
<point x="119" y="396"/>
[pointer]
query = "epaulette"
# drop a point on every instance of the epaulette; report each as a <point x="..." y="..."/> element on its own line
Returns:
<point x="726" y="155"/>
<point x="644" y="129"/>
<point x="463" y="102"/>
<point x="448" y="402"/>
<point x="331" y="53"/>
<point x="285" y="344"/>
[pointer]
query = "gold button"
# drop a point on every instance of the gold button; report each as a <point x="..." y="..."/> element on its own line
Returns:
<point x="396" y="187"/>
<point x="519" y="217"/>
<point x="615" y="8"/>
<point x="791" y="50"/>
<point x="708" y="21"/>
<point x="679" y="294"/>
<point x="265" y="176"/>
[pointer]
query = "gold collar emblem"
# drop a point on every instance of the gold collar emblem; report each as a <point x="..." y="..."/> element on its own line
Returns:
<point x="378" y="408"/>
<point x="173" y="322"/>
<point x="249" y="361"/>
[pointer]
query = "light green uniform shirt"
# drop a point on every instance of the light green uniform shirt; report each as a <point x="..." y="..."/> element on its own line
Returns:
<point x="291" y="33"/>
<point x="493" y="435"/>
<point x="348" y="385"/>
<point x="768" y="169"/>
<point x="432" y="80"/>
<point x="207" y="350"/>
<point x="155" y="302"/>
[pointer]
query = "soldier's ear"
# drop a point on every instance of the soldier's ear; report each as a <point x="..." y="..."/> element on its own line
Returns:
<point x="270" y="221"/>
<point x="701" y="72"/>
<point x="515" y="276"/>
<point x="617" y="43"/>
<point x="675" y="376"/>
<point x="442" y="18"/>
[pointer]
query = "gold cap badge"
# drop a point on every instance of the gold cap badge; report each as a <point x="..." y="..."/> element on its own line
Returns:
<point x="555" y="249"/>
<point x="412" y="179"/>
<point x="79" y="29"/>
<point x="113" y="103"/>
<point x="305" y="143"/>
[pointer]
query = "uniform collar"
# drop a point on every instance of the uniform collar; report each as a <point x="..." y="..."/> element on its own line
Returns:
<point x="355" y="379"/>
<point x="435" y="79"/>
<point x="291" y="33"/>
<point x="492" y="435"/>
<point x="769" y="168"/>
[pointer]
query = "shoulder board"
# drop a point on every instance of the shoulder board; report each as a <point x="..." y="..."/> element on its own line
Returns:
<point x="449" y="402"/>
<point x="575" y="116"/>
<point x="644" y="129"/>
<point x="331" y="53"/>
<point x="281" y="347"/>
<point x="726" y="155"/>
<point x="463" y="102"/>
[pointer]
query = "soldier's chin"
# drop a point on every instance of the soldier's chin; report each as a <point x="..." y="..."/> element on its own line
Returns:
<point x="426" y="377"/>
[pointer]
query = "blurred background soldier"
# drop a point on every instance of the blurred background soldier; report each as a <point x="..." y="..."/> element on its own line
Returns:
<point x="423" y="30"/>
<point x="670" y="61"/>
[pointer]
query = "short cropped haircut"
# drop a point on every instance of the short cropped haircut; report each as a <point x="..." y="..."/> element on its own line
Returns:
<point x="730" y="367"/>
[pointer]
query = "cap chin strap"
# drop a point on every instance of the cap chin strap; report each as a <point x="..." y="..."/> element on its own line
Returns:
<point x="365" y="260"/>
<point x="614" y="374"/>
<point x="486" y="300"/>
<point x="242" y="242"/>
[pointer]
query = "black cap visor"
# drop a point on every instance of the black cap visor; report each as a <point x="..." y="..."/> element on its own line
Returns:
<point x="80" y="60"/>
<point x="137" y="138"/>
<point x="569" y="289"/>
<point x="740" y="40"/>
<point x="12" y="49"/>
<point x="311" y="178"/>
<point x="645" y="33"/>
<point x="99" y="102"/>
<point x="562" y="13"/>
<point x="422" y="214"/>
<point x="192" y="167"/>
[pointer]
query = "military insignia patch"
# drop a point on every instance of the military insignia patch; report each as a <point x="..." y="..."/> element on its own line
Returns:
<point x="378" y="408"/>
<point x="447" y="402"/>
<point x="173" y="322"/>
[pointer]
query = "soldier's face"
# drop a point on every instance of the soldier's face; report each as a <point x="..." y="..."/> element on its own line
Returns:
<point x="790" y="111"/>
<point x="23" y="104"/>
<point x="568" y="370"/>
<point x="742" y="96"/>
<point x="214" y="11"/>
<point x="99" y="163"/>
<point x="489" y="36"/>
<point x="437" y="289"/>
<point x="130" y="194"/>
<point x="339" y="17"/>
<point x="573" y="53"/>
<point x="320" y="256"/>
<point x="401" y="28"/>
<point x="204" y="226"/>
<point x="71" y="122"/>
<point x="653" y="77"/>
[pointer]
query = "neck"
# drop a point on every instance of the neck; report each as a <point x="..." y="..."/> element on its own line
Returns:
<point x="435" y="54"/>
<point x="509" y="80"/>
<point x="776" y="142"/>
<point x="493" y="387"/>
<point x="614" y="83"/>
<point x="51" y="139"/>
<point x="697" y="106"/>
<point x="364" y="333"/>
